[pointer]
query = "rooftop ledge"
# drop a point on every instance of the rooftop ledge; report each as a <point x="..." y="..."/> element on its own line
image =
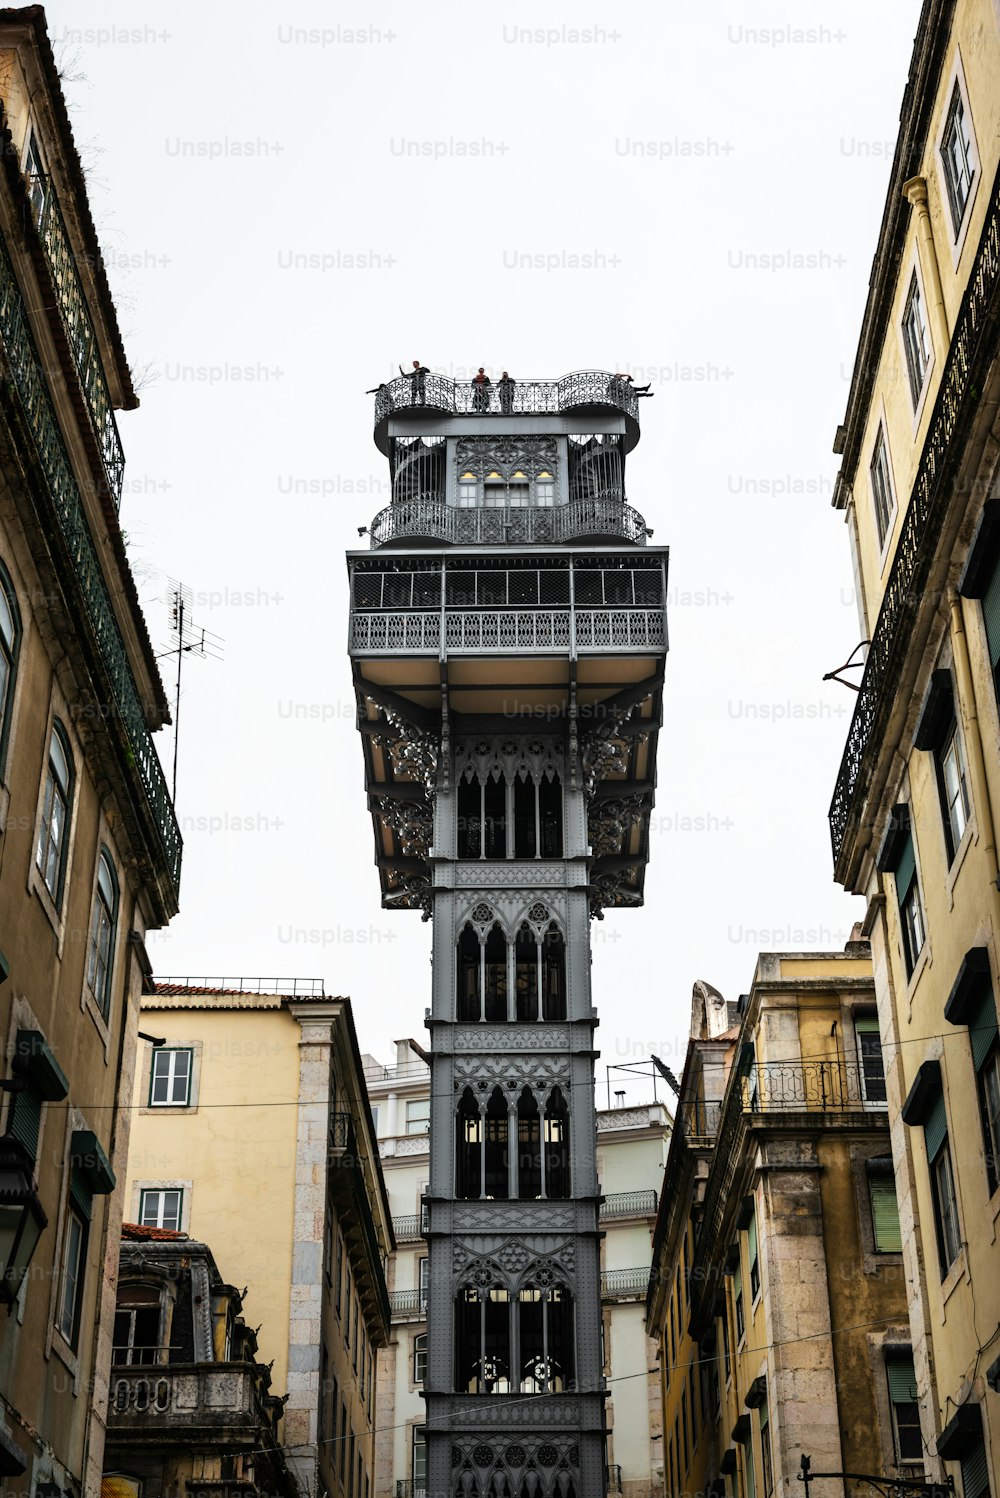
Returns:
<point x="582" y="390"/>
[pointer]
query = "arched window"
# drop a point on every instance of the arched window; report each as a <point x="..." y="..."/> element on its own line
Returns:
<point x="526" y="972"/>
<point x="10" y="645"/>
<point x="53" y="830"/>
<point x="468" y="1148"/>
<point x="554" y="975"/>
<point x="469" y="956"/>
<point x="546" y="1340"/>
<point x="495" y="956"/>
<point x="538" y="817"/>
<point x="100" y="953"/>
<point x="556" y="1146"/>
<point x="529" y="1147"/>
<point x="482" y="1340"/>
<point x="495" y="1154"/>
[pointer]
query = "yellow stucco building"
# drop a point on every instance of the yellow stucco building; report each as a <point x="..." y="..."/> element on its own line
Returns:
<point x="777" y="1297"/>
<point x="914" y="814"/>
<point x="252" y="1131"/>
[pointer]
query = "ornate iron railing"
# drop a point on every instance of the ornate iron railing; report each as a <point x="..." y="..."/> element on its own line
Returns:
<point x="79" y="330"/>
<point x="973" y="347"/>
<point x="614" y="1476"/>
<point x="407" y="1488"/>
<point x="541" y="630"/>
<point x="585" y="387"/>
<point x="624" y="1282"/>
<point x="629" y="1204"/>
<point x="699" y="1121"/>
<point x="410" y="1228"/>
<point x="427" y="515"/>
<point x="345" y="1155"/>
<point x="29" y="383"/>
<point x="408" y="1302"/>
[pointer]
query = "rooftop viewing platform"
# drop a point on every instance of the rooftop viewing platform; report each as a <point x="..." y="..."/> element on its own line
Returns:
<point x="427" y="393"/>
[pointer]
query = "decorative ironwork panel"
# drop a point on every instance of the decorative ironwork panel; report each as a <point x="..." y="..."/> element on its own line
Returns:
<point x="22" y="358"/>
<point x="586" y="387"/>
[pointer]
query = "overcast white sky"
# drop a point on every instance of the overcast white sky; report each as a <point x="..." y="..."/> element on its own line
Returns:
<point x="690" y="192"/>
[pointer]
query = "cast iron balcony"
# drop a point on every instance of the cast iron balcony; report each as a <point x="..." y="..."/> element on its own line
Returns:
<point x="629" y="1204"/>
<point x="411" y="1228"/>
<point x="426" y="517"/>
<point x="624" y="1284"/>
<point x="408" y="1305"/>
<point x="74" y="533"/>
<point x="79" y="329"/>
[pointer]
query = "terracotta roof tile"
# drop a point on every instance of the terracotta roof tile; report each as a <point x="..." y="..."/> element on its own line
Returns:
<point x="134" y="1232"/>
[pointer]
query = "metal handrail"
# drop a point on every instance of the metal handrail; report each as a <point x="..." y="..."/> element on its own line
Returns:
<point x="285" y="987"/>
<point x="428" y="515"/>
<point x="624" y="1281"/>
<point x="630" y="1204"/>
<point x="32" y="391"/>
<point x="408" y="1302"/>
<point x="584" y="387"/>
<point x="75" y="313"/>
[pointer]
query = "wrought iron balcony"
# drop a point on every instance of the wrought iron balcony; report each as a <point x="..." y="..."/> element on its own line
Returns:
<point x="972" y="350"/>
<point x="614" y="1475"/>
<point x="699" y="1121"/>
<point x="411" y="1228"/>
<point x="629" y="1204"/>
<point x="407" y="1488"/>
<point x="427" y="517"/>
<point x="40" y="418"/>
<point x="585" y="387"/>
<point x="75" y="314"/>
<point x="408" y="1305"/>
<point x="624" y="1284"/>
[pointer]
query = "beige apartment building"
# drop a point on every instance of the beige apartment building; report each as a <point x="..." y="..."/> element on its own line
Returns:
<point x="914" y="813"/>
<point x="252" y="1133"/>
<point x="89" y="846"/>
<point x="631" y="1151"/>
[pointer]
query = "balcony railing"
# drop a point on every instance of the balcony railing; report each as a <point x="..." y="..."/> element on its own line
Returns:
<point x="406" y="1487"/>
<point x="629" y="1204"/>
<point x="614" y="1475"/>
<point x="973" y="347"/>
<point x="622" y="1284"/>
<point x="409" y="1229"/>
<point x="187" y="1394"/>
<point x="290" y="988"/>
<point x="79" y="330"/>
<point x="427" y="516"/>
<point x="32" y="392"/>
<point x="408" y="1303"/>
<point x="699" y="1121"/>
<point x="531" y="630"/>
<point x="585" y="387"/>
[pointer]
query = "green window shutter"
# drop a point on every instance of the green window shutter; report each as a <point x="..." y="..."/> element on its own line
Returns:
<point x="885" y="1215"/>
<point x="975" y="1477"/>
<point x="991" y="616"/>
<point x="936" y="1127"/>
<point x="752" y="1239"/>
<point x="902" y="1379"/>
<point x="866" y="1024"/>
<point x="906" y="867"/>
<point x="25" y="1118"/>
<point x="751" y="1485"/>
<point x="763" y="1417"/>
<point x="80" y="1194"/>
<point x="983" y="1027"/>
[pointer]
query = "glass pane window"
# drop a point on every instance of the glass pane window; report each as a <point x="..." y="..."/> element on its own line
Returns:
<point x="102" y="927"/>
<point x="871" y="1066"/>
<point x="989" y="1107"/>
<point x="545" y="490"/>
<point x="911" y="914"/>
<point x="740" y="1323"/>
<point x="71" y="1283"/>
<point x="946" y="1207"/>
<point x="51" y="850"/>
<point x="420" y="1358"/>
<point x="170" y="1078"/>
<point x="10" y="638"/>
<point x="424" y="1279"/>
<point x="958" y="158"/>
<point x="468" y="490"/>
<point x="419" y="1461"/>
<point x="883" y="499"/>
<point x="905" y="1410"/>
<point x="418" y="1116"/>
<point x="954" y="789"/>
<point x="161" y="1209"/>
<point x="916" y="339"/>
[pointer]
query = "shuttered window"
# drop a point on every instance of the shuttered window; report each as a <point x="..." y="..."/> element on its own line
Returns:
<point x="25" y="1118"/>
<point x="975" y="1476"/>
<point x="991" y="618"/>
<point x="748" y="1472"/>
<point x="885" y="1214"/>
<point x="752" y="1258"/>
<point x="936" y="1127"/>
<point x="905" y="1410"/>
<point x="983" y="1027"/>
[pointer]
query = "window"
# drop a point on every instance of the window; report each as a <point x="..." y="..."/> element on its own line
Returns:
<point x="371" y="1378"/>
<point x="902" y="864"/>
<point x="684" y="1427"/>
<point x="161" y="1209"/>
<point x="419" y="1465"/>
<point x="423" y="1281"/>
<point x="170" y="1078"/>
<point x="942" y="1184"/>
<point x="100" y="950"/>
<point x="347" y="1305"/>
<point x="985" y="1041"/>
<point x="50" y="854"/>
<point x="916" y="340"/>
<point x="363" y="1363"/>
<point x="725" y="1341"/>
<point x="374" y="1114"/>
<point x="545" y="489"/>
<point x="338" y="1282"/>
<point x="752" y="1258"/>
<point x="10" y="645"/>
<point x="418" y="1116"/>
<point x="766" y="1464"/>
<point x="905" y="1410"/>
<point x="883" y="497"/>
<point x="355" y="1333"/>
<point x="71" y="1277"/>
<point x="136" y="1334"/>
<point x="885" y="1211"/>
<point x="468" y="490"/>
<point x="958" y="158"/>
<point x="871" y="1066"/>
<point x="420" y="1358"/>
<point x="749" y="1478"/>
<point x="975" y="1471"/>
<point x="34" y="170"/>
<point x="343" y="1443"/>
<point x="740" y="1323"/>
<point x="350" y="1467"/>
<point x="953" y="786"/>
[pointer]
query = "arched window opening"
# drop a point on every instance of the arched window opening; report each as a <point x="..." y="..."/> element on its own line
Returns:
<point x="100" y="949"/>
<point x="546" y="1340"/>
<point x="469" y="957"/>
<point x="526" y="973"/>
<point x="53" y="830"/>
<point x="550" y="816"/>
<point x="556" y="1146"/>
<point x="524" y="817"/>
<point x="468" y="1148"/>
<point x="538" y="817"/>
<point x="495" y="1171"/>
<point x="495" y="955"/>
<point x="495" y="816"/>
<point x="482" y="1341"/>
<point x="529" y="1150"/>
<point x="136" y="1336"/>
<point x="554" y="975"/>
<point x="469" y="818"/>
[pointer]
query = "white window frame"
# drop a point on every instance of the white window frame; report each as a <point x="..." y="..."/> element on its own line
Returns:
<point x="162" y="1192"/>
<point x="959" y="802"/>
<point x="421" y="1120"/>
<point x="960" y="231"/>
<point x="880" y="447"/>
<point x="419" y="1359"/>
<point x="171" y="1051"/>
<point x="72" y="1270"/>
<point x="101" y="954"/>
<point x="914" y="283"/>
<point x="875" y="1105"/>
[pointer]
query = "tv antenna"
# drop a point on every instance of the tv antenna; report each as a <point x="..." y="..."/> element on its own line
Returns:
<point x="189" y="639"/>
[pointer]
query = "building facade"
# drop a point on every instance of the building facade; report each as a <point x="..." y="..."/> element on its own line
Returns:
<point x="252" y="1130"/>
<point x="90" y="845"/>
<point x="777" y="1296"/>
<point x="914" y="814"/>
<point x="191" y="1404"/>
<point x="508" y="637"/>
<point x="631" y="1150"/>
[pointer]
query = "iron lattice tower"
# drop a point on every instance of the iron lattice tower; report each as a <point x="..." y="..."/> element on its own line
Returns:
<point x="508" y="640"/>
